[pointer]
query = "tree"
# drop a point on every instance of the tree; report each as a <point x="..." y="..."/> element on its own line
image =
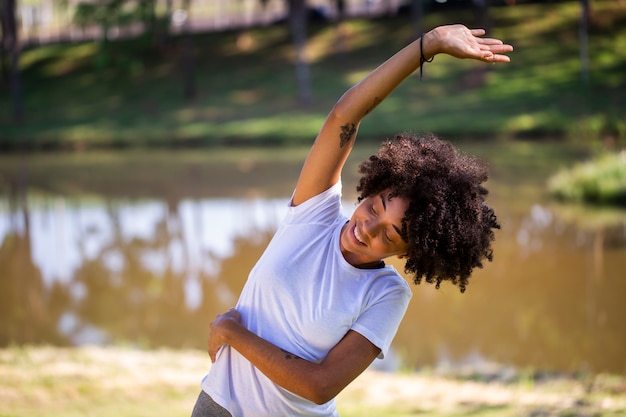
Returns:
<point x="417" y="17"/>
<point x="583" y="38"/>
<point x="297" y="23"/>
<point x="188" y="62"/>
<point x="341" y="9"/>
<point x="297" y="19"/>
<point x="4" y="64"/>
<point x="11" y="48"/>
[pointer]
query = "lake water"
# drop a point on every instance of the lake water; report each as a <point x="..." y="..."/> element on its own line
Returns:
<point x="146" y="248"/>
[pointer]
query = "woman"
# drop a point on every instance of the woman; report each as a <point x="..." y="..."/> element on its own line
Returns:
<point x="320" y="305"/>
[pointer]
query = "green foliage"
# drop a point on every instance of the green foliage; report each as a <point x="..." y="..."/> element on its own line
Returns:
<point x="119" y="14"/>
<point x="105" y="14"/>
<point x="129" y="92"/>
<point x="599" y="181"/>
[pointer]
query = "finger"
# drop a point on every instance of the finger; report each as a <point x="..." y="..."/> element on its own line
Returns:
<point x="477" y="32"/>
<point x="498" y="58"/>
<point x="496" y="49"/>
<point x="500" y="48"/>
<point x="235" y="314"/>
<point x="489" y="41"/>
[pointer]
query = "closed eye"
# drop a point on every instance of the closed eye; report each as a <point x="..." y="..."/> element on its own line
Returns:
<point x="396" y="228"/>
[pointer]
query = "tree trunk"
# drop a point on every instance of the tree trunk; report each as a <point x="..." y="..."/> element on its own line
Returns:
<point x="4" y="59"/>
<point x="583" y="39"/>
<point x="188" y="64"/>
<point x="417" y="17"/>
<point x="297" y="22"/>
<point x="482" y="15"/>
<point x="148" y="15"/>
<point x="12" y="48"/>
<point x="341" y="9"/>
<point x="162" y="25"/>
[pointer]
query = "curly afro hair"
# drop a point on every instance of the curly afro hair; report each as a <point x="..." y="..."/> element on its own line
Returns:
<point x="447" y="225"/>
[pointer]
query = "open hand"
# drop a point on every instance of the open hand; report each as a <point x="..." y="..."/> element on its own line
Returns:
<point x="218" y="329"/>
<point x="461" y="42"/>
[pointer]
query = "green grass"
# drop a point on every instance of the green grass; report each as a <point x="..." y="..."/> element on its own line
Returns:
<point x="126" y="94"/>
<point x="601" y="181"/>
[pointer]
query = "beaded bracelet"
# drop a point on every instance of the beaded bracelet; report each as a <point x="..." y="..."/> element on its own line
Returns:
<point x="423" y="59"/>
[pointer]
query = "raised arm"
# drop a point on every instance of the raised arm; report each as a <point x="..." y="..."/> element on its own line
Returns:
<point x="335" y="139"/>
<point x="317" y="382"/>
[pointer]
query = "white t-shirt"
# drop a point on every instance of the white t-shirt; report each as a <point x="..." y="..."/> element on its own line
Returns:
<point x="303" y="296"/>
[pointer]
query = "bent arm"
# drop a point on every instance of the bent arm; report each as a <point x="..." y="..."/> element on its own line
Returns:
<point x="334" y="142"/>
<point x="317" y="382"/>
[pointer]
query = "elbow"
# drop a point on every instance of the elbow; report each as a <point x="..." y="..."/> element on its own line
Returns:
<point x="344" y="111"/>
<point x="320" y="398"/>
<point x="320" y="391"/>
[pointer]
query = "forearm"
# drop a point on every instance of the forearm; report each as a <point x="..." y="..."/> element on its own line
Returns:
<point x="336" y="138"/>
<point x="287" y="370"/>
<point x="363" y="97"/>
<point x="454" y="40"/>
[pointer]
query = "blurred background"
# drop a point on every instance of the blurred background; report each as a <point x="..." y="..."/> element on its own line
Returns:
<point x="148" y="150"/>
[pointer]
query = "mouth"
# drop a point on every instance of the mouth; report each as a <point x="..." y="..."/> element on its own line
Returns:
<point x="358" y="236"/>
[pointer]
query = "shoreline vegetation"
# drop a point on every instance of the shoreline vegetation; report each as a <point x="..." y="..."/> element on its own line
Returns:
<point x="600" y="181"/>
<point x="127" y="93"/>
<point x="125" y="382"/>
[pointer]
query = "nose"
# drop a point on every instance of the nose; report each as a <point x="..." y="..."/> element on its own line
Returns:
<point x="371" y="228"/>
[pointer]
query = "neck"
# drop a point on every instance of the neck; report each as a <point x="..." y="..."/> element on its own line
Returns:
<point x="371" y="265"/>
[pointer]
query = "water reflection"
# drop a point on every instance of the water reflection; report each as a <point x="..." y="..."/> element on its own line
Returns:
<point x="153" y="272"/>
<point x="551" y="300"/>
<point x="196" y="235"/>
<point x="126" y="271"/>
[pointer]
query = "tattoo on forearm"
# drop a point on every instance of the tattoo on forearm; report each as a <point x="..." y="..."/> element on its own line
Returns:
<point x="289" y="355"/>
<point x="347" y="131"/>
<point x="377" y="101"/>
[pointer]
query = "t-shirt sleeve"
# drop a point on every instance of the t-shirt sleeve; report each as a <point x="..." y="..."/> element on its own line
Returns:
<point x="381" y="317"/>
<point x="323" y="208"/>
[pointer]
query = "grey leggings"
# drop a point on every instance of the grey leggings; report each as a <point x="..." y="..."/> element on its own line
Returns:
<point x="206" y="407"/>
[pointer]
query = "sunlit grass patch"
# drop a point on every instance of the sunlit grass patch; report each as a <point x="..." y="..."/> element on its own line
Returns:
<point x="57" y="60"/>
<point x="599" y="181"/>
<point x="99" y="382"/>
<point x="126" y="382"/>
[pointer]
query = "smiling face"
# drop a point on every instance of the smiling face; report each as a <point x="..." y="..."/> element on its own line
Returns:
<point x="373" y="232"/>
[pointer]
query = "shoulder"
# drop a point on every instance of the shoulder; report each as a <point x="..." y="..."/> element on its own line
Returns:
<point x="324" y="207"/>
<point x="386" y="284"/>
